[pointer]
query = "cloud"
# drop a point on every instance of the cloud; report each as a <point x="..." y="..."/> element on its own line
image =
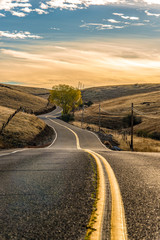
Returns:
<point x="40" y="11"/>
<point x="126" y="17"/>
<point x="152" y="14"/>
<point x="100" y="26"/>
<point x="9" y="5"/>
<point x="118" y="14"/>
<point x="117" y="61"/>
<point x="16" y="7"/>
<point x="138" y="24"/>
<point x="130" y="18"/>
<point x="2" y="15"/>
<point x="20" y="8"/>
<point x="113" y="21"/>
<point x="55" y="28"/>
<point x="18" y="35"/>
<point x="80" y="4"/>
<point x="18" y="14"/>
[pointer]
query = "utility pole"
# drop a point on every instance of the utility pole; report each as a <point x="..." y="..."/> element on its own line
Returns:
<point x="132" y="126"/>
<point x="82" y="116"/>
<point x="99" y="116"/>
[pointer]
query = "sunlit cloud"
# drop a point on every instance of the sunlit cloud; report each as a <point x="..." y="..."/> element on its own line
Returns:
<point x="113" y="21"/>
<point x="26" y="9"/>
<point x="126" y="17"/>
<point x="18" y="35"/>
<point x="130" y="18"/>
<point x="18" y="14"/>
<point x="79" y="4"/>
<point x="118" y="14"/>
<point x="9" y="5"/>
<point x="21" y="8"/>
<point x="40" y="11"/>
<point x="97" y="63"/>
<point x="152" y="14"/>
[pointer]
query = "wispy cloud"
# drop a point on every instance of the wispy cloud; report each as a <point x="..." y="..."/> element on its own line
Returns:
<point x="18" y="35"/>
<point x="152" y="14"/>
<point x="40" y="11"/>
<point x="55" y="28"/>
<point x="112" y="20"/>
<point x="126" y="17"/>
<point x="112" y="62"/>
<point x="100" y="26"/>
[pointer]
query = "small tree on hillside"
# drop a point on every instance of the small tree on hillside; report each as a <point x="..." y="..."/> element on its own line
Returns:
<point x="66" y="97"/>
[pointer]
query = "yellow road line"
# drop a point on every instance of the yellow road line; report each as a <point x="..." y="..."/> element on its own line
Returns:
<point x="97" y="235"/>
<point x="118" y="223"/>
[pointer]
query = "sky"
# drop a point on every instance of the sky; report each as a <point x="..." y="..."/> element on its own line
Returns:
<point x="106" y="42"/>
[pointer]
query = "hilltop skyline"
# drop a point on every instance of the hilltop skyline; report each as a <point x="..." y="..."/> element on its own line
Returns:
<point x="106" y="42"/>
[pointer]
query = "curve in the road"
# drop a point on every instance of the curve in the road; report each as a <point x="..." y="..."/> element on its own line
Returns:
<point x="118" y="223"/>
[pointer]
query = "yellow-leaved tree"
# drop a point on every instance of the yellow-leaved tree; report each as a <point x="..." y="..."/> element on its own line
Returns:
<point x="65" y="96"/>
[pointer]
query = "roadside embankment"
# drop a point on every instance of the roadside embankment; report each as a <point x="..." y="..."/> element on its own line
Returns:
<point x="23" y="130"/>
<point x="117" y="141"/>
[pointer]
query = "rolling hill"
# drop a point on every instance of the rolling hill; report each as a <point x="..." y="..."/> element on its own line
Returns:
<point x="24" y="129"/>
<point x="115" y="104"/>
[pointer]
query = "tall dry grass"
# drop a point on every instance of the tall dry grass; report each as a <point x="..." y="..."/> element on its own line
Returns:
<point x="140" y="144"/>
<point x="14" y="99"/>
<point x="22" y="129"/>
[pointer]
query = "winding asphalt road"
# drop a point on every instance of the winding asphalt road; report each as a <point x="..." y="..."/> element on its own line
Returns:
<point x="46" y="193"/>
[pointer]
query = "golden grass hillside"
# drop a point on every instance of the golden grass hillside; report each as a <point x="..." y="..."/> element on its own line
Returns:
<point x="146" y="105"/>
<point x="114" y="112"/>
<point x="96" y="94"/>
<point x="14" y="99"/>
<point x="23" y="130"/>
<point x="41" y="92"/>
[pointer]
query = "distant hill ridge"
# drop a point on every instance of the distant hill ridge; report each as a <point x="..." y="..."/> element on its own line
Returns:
<point x="104" y="93"/>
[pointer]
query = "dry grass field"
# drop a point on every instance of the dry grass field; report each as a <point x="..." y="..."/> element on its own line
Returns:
<point x="114" y="112"/>
<point x="97" y="94"/>
<point x="141" y="144"/>
<point x="21" y="130"/>
<point x="24" y="129"/>
<point x="14" y="99"/>
<point x="41" y="92"/>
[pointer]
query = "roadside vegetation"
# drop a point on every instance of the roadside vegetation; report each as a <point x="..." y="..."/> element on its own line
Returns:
<point x="115" y="115"/>
<point x="68" y="98"/>
<point x="24" y="129"/>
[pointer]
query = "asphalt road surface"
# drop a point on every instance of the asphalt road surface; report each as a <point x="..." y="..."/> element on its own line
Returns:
<point x="46" y="193"/>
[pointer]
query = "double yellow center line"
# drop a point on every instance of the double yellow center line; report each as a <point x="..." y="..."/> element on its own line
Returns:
<point x="118" y="222"/>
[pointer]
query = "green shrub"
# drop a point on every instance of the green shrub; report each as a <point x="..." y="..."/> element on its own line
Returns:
<point x="127" y="120"/>
<point x="67" y="117"/>
<point x="155" y="135"/>
<point x="89" y="103"/>
<point x="142" y="133"/>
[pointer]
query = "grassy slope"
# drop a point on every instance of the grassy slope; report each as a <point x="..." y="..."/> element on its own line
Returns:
<point x="115" y="108"/>
<point x="96" y="94"/>
<point x="14" y="99"/>
<point x="23" y="128"/>
<point x="41" y="92"/>
<point x="112" y="111"/>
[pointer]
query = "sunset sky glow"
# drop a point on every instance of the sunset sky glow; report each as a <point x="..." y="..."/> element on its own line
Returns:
<point x="105" y="42"/>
